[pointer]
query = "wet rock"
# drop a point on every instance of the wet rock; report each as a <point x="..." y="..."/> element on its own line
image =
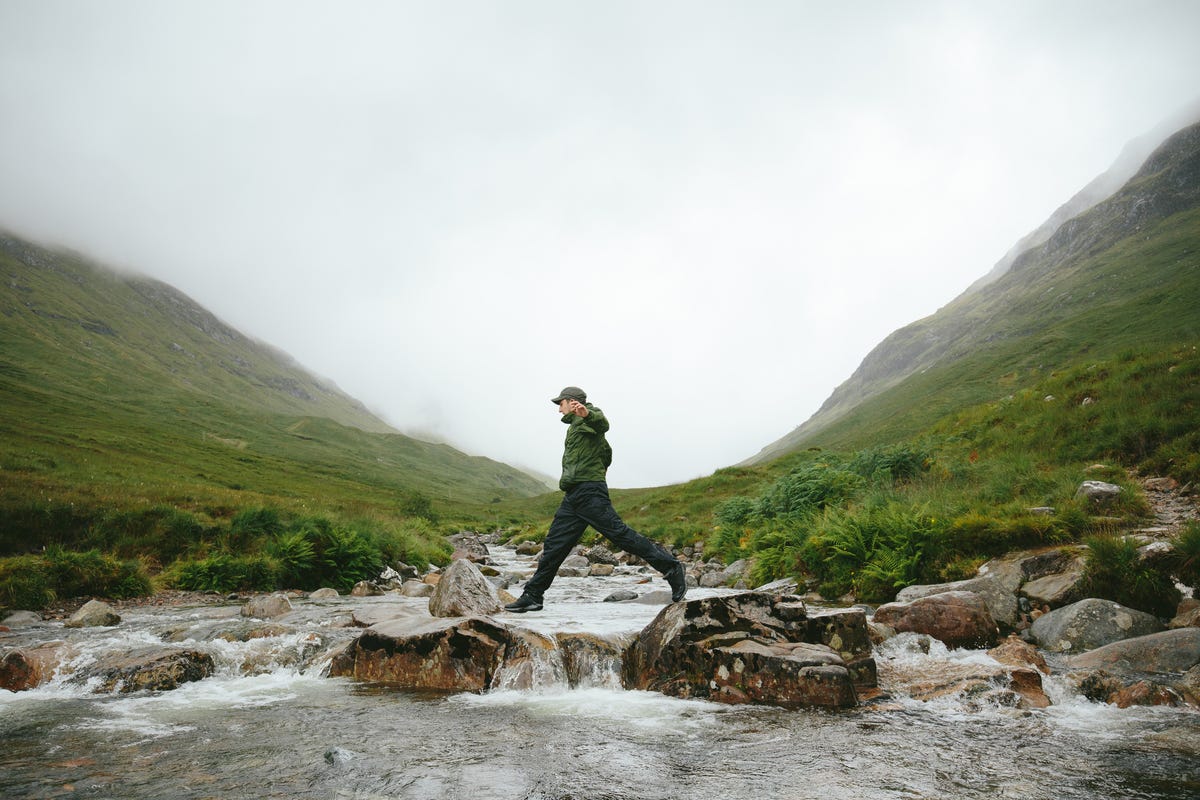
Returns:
<point x="781" y="586"/>
<point x="744" y="648"/>
<point x="1089" y="624"/>
<point x="463" y="592"/>
<point x="324" y="594"/>
<point x="442" y="654"/>
<point x="1168" y="651"/>
<point x="530" y="660"/>
<point x="30" y="667"/>
<point x="365" y="589"/>
<point x="529" y="548"/>
<point x="1146" y="693"/>
<point x="149" y="668"/>
<point x="621" y="595"/>
<point x="958" y="619"/>
<point x="95" y="613"/>
<point x="998" y="594"/>
<point x="413" y="588"/>
<point x="375" y="614"/>
<point x="845" y="632"/>
<point x="22" y="619"/>
<point x="601" y="570"/>
<point x="599" y="554"/>
<point x="1097" y="491"/>
<point x="267" y="606"/>
<point x="576" y="563"/>
<point x="1017" y="653"/>
<point x="468" y="545"/>
<point x="879" y="632"/>
<point x="591" y="660"/>
<point x="574" y="572"/>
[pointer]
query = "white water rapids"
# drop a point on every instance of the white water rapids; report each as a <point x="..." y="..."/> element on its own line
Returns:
<point x="268" y="724"/>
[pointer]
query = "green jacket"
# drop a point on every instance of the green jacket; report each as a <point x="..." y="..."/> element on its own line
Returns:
<point x="586" y="454"/>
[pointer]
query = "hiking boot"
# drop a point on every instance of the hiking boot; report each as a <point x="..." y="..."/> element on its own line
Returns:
<point x="678" y="580"/>
<point x="524" y="603"/>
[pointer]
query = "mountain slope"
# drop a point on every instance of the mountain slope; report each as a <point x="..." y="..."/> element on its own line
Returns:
<point x="120" y="390"/>
<point x="1123" y="274"/>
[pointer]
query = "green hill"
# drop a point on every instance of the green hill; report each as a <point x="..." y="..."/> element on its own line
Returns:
<point x="119" y="392"/>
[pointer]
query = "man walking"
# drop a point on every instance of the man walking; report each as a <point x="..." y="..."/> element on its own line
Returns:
<point x="586" y="457"/>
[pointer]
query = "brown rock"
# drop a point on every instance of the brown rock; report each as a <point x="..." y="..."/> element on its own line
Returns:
<point x="1187" y="615"/>
<point x="1169" y="651"/>
<point x="95" y="613"/>
<point x="601" y="570"/>
<point x="365" y="589"/>
<point x="959" y="619"/>
<point x="1015" y="652"/>
<point x="463" y="591"/>
<point x="150" y="668"/>
<point x="267" y="606"/>
<point x="1146" y="693"/>
<point x="592" y="660"/>
<point x="30" y="667"/>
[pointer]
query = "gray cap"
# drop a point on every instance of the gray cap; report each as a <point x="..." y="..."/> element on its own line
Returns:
<point x="570" y="393"/>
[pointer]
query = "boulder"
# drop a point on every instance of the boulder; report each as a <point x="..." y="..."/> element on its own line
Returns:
<point x="463" y="591"/>
<point x="366" y="589"/>
<point x="95" y="613"/>
<point x="1097" y="491"/>
<point x="267" y="606"/>
<point x="22" y="619"/>
<point x="576" y="563"/>
<point x="152" y="668"/>
<point x="845" y="632"/>
<point x="30" y="667"/>
<point x="375" y="614"/>
<point x="744" y="648"/>
<point x="1164" y="652"/>
<point x="959" y="619"/>
<point x="414" y="588"/>
<point x="1055" y="590"/>
<point x="599" y="554"/>
<point x="443" y="654"/>
<point x="1017" y="653"/>
<point x="324" y="594"/>
<point x="999" y="594"/>
<point x="974" y="683"/>
<point x="1089" y="624"/>
<point x="781" y="586"/>
<point x="1187" y="615"/>
<point x="591" y="660"/>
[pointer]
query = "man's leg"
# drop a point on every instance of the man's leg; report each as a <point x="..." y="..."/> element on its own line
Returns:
<point x="565" y="530"/>
<point x="594" y="506"/>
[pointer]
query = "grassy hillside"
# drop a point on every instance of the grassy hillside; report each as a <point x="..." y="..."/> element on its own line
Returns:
<point x="119" y="395"/>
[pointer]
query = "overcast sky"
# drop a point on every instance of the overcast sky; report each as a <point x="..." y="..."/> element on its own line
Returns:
<point x="705" y="214"/>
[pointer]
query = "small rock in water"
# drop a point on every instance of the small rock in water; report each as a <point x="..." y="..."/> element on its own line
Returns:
<point x="267" y="606"/>
<point x="338" y="755"/>
<point x="93" y="614"/>
<point x="621" y="595"/>
<point x="324" y="594"/>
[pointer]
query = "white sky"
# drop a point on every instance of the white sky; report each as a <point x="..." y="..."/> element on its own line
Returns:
<point x="704" y="213"/>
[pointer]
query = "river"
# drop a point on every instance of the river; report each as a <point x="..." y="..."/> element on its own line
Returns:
<point x="269" y="725"/>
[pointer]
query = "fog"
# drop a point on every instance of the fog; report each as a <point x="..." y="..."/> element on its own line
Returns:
<point x="705" y="214"/>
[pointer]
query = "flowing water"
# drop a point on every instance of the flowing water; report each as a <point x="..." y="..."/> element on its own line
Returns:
<point x="269" y="725"/>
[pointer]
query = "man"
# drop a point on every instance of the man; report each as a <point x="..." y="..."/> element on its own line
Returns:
<point x="586" y="457"/>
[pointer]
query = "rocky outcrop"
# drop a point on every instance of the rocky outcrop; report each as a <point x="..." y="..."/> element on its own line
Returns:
<point x="94" y="613"/>
<point x="1174" y="651"/>
<point x="1089" y="624"/>
<point x="958" y="619"/>
<point x="1055" y="590"/>
<point x="463" y="591"/>
<point x="744" y="648"/>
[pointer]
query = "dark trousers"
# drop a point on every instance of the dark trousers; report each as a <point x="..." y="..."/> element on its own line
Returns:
<point x="588" y="504"/>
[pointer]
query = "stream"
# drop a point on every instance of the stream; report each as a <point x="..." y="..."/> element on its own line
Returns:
<point x="270" y="725"/>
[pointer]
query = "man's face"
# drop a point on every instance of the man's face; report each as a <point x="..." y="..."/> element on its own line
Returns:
<point x="565" y="406"/>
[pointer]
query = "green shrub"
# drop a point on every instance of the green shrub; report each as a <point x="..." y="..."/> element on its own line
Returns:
<point x="24" y="583"/>
<point x="226" y="573"/>
<point x="1184" y="562"/>
<point x="894" y="464"/>
<point x="162" y="533"/>
<point x="1114" y="570"/>
<point x="735" y="512"/>
<point x="251" y="527"/>
<point x="91" y="573"/>
<point x="807" y="489"/>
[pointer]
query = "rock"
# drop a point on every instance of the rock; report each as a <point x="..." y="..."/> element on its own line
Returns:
<point x="975" y="683"/>
<point x="998" y="594"/>
<point x="1167" y="651"/>
<point x="743" y="648"/>
<point x="413" y="588"/>
<point x="1015" y="652"/>
<point x="528" y="549"/>
<point x="22" y="619"/>
<point x="879" y="632"/>
<point x="365" y="589"/>
<point x="1161" y="484"/>
<point x="781" y="586"/>
<point x="432" y="578"/>
<point x="468" y="545"/>
<point x="711" y="580"/>
<point x="574" y="572"/>
<point x="267" y="606"/>
<point x="1055" y="591"/>
<point x="601" y="570"/>
<point x="577" y="562"/>
<point x="958" y="619"/>
<point x="95" y="613"/>
<point x="30" y="667"/>
<point x="1089" y="624"/>
<point x="375" y="614"/>
<point x="1041" y="511"/>
<point x="459" y="655"/>
<point x="599" y="554"/>
<point x="463" y="592"/>
<point x="1146" y="693"/>
<point x="150" y="668"/>
<point x="845" y="632"/>
<point x="324" y="594"/>
<point x="591" y="660"/>
<point x="1187" y="615"/>
<point x="388" y="579"/>
<point x="1097" y="491"/>
<point x="621" y="595"/>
